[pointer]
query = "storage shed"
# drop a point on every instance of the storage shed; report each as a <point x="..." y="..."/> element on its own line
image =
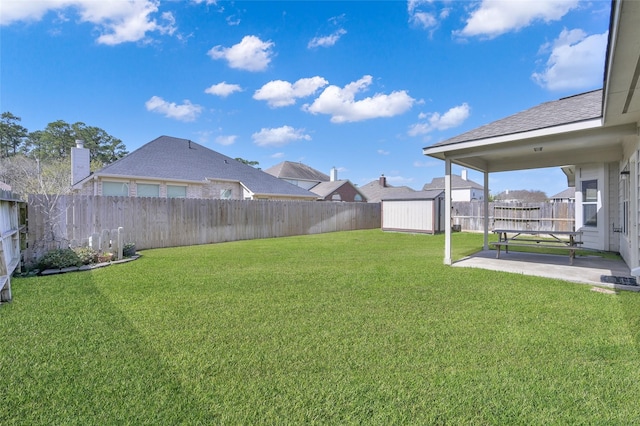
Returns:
<point x="421" y="211"/>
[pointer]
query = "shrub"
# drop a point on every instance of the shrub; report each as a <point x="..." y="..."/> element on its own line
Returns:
<point x="58" y="259"/>
<point x="129" y="250"/>
<point x="86" y="255"/>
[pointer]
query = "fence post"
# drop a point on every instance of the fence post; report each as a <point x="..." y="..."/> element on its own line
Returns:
<point x="104" y="241"/>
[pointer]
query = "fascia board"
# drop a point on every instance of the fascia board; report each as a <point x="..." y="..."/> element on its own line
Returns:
<point x="614" y="27"/>
<point x="478" y="143"/>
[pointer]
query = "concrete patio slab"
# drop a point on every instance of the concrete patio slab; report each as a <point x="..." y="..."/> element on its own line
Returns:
<point x="585" y="269"/>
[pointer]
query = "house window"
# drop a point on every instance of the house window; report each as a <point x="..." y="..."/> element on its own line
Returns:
<point x="336" y="197"/>
<point x="176" y="191"/>
<point x="358" y="197"/>
<point x="115" y="189"/>
<point x="148" y="190"/>
<point x="590" y="203"/>
<point x="225" y="194"/>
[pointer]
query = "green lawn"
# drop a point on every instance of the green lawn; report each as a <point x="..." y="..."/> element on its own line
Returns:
<point x="356" y="327"/>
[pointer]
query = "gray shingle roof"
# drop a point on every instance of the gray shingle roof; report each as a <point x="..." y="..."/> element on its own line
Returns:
<point x="456" y="183"/>
<point x="296" y="171"/>
<point x="567" y="193"/>
<point x="374" y="192"/>
<point x="572" y="109"/>
<point x="174" y="158"/>
<point x="324" y="189"/>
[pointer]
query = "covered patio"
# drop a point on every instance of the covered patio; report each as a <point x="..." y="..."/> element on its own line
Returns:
<point x="593" y="270"/>
<point x="594" y="137"/>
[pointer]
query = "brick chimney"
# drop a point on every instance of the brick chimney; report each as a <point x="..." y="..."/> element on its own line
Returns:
<point x="383" y="181"/>
<point x="79" y="162"/>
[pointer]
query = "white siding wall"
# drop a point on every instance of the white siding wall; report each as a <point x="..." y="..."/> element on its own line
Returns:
<point x="411" y="215"/>
<point x="477" y="194"/>
<point x="614" y="207"/>
<point x="630" y="243"/>
<point x="467" y="194"/>
<point x="460" y="195"/>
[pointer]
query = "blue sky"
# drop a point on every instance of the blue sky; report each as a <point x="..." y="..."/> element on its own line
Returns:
<point x="359" y="85"/>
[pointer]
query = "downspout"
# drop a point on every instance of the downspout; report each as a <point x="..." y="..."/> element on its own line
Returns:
<point x="447" y="211"/>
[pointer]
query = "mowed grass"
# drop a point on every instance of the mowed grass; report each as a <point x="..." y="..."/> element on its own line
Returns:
<point x="359" y="327"/>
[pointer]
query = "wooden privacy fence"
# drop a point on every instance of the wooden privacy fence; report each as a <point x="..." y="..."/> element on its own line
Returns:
<point x="11" y="230"/>
<point x="520" y="216"/>
<point x="56" y="221"/>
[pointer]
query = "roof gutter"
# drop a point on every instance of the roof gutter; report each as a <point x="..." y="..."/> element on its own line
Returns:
<point x="614" y="25"/>
<point x="440" y="150"/>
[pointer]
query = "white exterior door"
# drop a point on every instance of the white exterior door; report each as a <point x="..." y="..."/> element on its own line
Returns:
<point x="591" y="218"/>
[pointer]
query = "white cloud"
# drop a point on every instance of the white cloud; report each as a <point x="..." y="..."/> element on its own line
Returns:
<point x="185" y="112"/>
<point x="340" y="103"/>
<point x="383" y="152"/>
<point x="279" y="136"/>
<point x="426" y="164"/>
<point x="422" y="18"/>
<point x="412" y="4"/>
<point x="223" y="89"/>
<point x="117" y="21"/>
<point x="399" y="180"/>
<point x="326" y="41"/>
<point x="232" y="21"/>
<point x="251" y="54"/>
<point x="279" y="93"/>
<point x="278" y="155"/>
<point x="15" y="11"/>
<point x="203" y="136"/>
<point x="436" y="121"/>
<point x="226" y="140"/>
<point x="495" y="17"/>
<point x="576" y="61"/>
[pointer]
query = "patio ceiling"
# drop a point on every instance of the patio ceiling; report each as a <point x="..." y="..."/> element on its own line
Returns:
<point x="560" y="146"/>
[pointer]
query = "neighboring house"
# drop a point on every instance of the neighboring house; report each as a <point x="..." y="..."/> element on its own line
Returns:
<point x="328" y="188"/>
<point x="597" y="133"/>
<point x="298" y="174"/>
<point x="376" y="190"/>
<point x="521" y="196"/>
<point x="338" y="190"/>
<point x="179" y="168"/>
<point x="462" y="189"/>
<point x="566" y="196"/>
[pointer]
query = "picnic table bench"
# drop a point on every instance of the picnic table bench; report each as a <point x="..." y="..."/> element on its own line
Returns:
<point x="567" y="240"/>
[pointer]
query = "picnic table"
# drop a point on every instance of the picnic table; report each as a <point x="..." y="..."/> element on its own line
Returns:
<point x="567" y="240"/>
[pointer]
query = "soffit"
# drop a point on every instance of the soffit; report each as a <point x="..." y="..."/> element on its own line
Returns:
<point x="622" y="93"/>
<point x="597" y="144"/>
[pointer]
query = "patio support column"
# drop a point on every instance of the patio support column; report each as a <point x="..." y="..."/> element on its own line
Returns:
<point x="486" y="210"/>
<point x="447" y="211"/>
